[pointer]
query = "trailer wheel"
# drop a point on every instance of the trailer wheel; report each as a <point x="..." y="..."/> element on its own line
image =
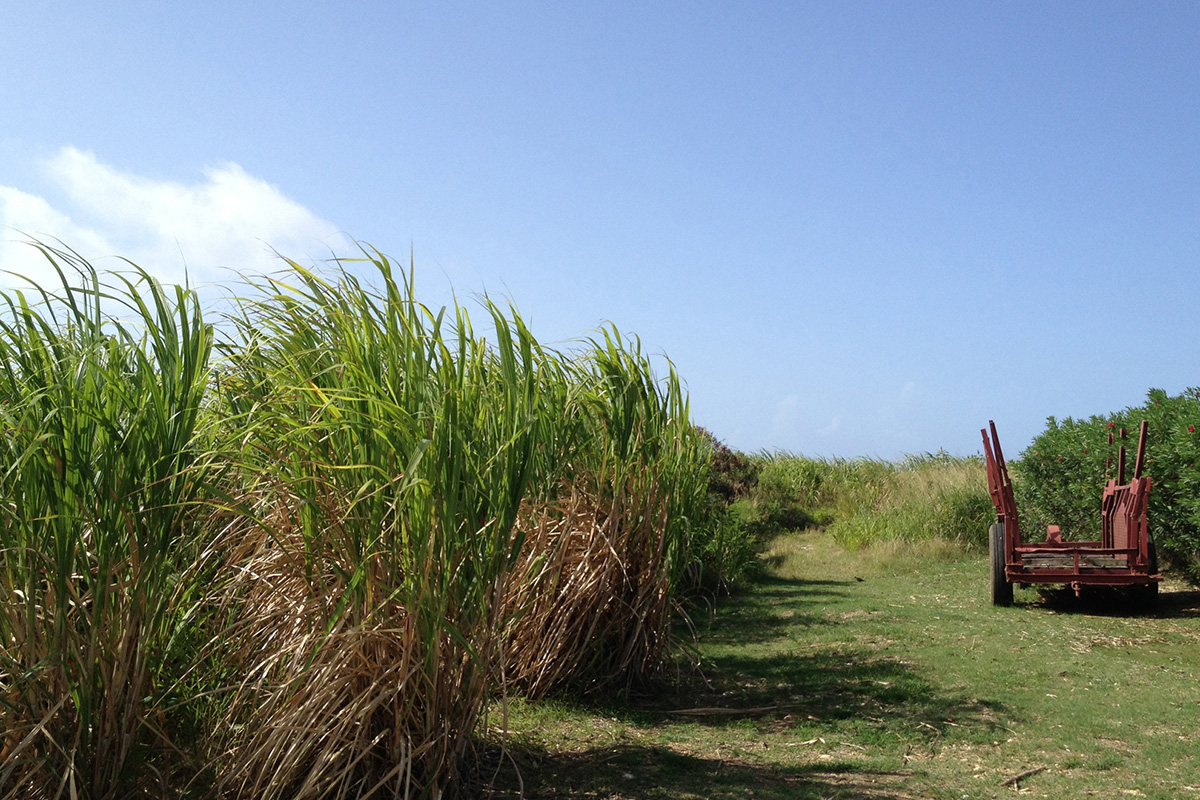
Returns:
<point x="1002" y="589"/>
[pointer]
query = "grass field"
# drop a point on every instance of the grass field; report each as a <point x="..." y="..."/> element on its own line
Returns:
<point x="886" y="673"/>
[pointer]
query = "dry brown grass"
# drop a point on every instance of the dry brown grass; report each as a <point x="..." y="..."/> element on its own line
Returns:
<point x="590" y="596"/>
<point x="341" y="700"/>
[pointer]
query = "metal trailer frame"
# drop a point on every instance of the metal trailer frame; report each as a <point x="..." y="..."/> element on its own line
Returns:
<point x="1123" y="556"/>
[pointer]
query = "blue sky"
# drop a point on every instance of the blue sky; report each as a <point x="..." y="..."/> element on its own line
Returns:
<point x="855" y="228"/>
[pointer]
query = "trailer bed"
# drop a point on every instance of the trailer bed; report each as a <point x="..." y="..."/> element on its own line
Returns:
<point x="1060" y="561"/>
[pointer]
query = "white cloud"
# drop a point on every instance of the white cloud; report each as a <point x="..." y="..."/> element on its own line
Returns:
<point x="33" y="216"/>
<point x="787" y="417"/>
<point x="832" y="427"/>
<point x="896" y="408"/>
<point x="798" y="421"/>
<point x="230" y="220"/>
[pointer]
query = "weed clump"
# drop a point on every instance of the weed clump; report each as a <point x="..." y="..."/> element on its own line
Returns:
<point x="729" y="535"/>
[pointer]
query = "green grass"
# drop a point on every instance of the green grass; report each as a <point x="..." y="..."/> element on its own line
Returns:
<point x="904" y="684"/>
<point x="865" y="502"/>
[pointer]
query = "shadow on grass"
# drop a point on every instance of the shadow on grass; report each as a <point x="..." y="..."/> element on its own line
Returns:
<point x="775" y="607"/>
<point x="768" y="681"/>
<point x="838" y="685"/>
<point x="760" y="656"/>
<point x="761" y="664"/>
<point x="633" y="771"/>
<point x="1107" y="601"/>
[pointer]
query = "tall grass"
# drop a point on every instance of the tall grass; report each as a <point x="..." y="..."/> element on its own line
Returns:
<point x="438" y="516"/>
<point x="592" y="597"/>
<point x="99" y="477"/>
<point x="865" y="502"/>
<point x="392" y="450"/>
<point x="336" y="543"/>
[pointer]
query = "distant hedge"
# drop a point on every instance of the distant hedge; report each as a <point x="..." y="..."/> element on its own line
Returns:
<point x="1061" y="474"/>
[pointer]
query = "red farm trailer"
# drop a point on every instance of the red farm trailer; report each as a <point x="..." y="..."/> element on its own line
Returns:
<point x="1123" y="556"/>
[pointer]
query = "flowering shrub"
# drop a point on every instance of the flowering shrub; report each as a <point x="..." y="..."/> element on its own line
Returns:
<point x="1059" y="477"/>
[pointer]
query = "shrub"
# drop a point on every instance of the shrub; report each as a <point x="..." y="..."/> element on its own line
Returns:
<point x="732" y="475"/>
<point x="726" y="535"/>
<point x="727" y="550"/>
<point x="1060" y="475"/>
<point x="788" y="489"/>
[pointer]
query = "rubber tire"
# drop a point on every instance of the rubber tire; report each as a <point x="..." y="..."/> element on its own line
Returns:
<point x="1002" y="589"/>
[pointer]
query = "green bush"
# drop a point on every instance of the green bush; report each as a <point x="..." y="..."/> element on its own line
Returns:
<point x="727" y="535"/>
<point x="1060" y="476"/>
<point x="732" y="475"/>
<point x="727" y="551"/>
<point x="789" y="488"/>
